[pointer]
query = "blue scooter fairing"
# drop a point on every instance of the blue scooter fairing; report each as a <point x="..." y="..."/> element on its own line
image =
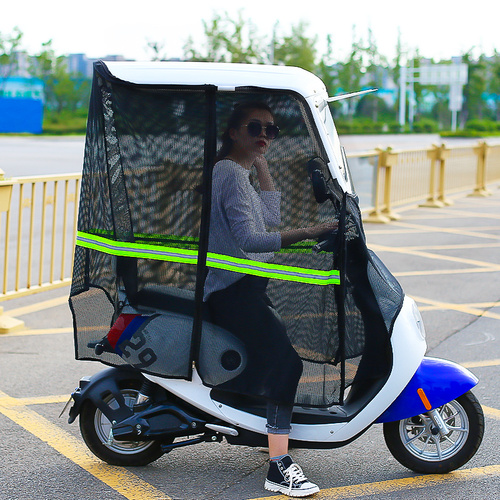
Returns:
<point x="440" y="380"/>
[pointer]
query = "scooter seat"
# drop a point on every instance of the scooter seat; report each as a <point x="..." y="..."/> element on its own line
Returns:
<point x="168" y="298"/>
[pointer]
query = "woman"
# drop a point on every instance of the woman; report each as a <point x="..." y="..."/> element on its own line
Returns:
<point x="240" y="218"/>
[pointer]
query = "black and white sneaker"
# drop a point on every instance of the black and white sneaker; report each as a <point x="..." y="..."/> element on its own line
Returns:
<point x="286" y="477"/>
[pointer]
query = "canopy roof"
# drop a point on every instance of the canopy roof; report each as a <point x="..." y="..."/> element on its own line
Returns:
<point x="226" y="76"/>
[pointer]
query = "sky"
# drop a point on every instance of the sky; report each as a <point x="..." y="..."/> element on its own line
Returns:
<point x="439" y="29"/>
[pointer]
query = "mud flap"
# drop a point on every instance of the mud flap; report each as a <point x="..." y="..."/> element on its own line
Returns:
<point x="97" y="387"/>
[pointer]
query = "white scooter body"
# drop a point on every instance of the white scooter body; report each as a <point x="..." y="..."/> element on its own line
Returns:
<point x="408" y="344"/>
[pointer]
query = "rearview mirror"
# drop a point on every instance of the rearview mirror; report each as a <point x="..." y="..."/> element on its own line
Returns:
<point x="315" y="168"/>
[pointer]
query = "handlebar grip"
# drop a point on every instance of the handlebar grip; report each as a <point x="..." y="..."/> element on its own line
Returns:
<point x="320" y="246"/>
<point x="327" y="241"/>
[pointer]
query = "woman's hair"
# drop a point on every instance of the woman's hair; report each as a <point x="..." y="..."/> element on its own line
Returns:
<point x="237" y="117"/>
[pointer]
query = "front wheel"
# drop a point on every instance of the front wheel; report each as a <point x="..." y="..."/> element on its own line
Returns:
<point x="417" y="444"/>
<point x="96" y="432"/>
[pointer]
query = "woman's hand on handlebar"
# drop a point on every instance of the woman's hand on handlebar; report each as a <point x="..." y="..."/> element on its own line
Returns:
<point x="321" y="229"/>
<point x="307" y="233"/>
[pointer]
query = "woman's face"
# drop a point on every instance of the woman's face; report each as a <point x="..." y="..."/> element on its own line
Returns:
<point x="247" y="144"/>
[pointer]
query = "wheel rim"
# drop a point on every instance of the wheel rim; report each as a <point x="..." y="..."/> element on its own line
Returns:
<point x="103" y="427"/>
<point x="419" y="436"/>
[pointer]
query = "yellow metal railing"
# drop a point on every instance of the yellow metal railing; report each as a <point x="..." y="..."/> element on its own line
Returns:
<point x="38" y="215"/>
<point x="38" y="219"/>
<point x="409" y="176"/>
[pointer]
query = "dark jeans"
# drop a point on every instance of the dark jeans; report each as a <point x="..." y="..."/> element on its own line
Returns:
<point x="273" y="368"/>
<point x="279" y="417"/>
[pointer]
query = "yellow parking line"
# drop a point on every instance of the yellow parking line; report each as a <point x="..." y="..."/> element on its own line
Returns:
<point x="491" y="412"/>
<point x="38" y="306"/>
<point x="438" y="229"/>
<point x="469" y="270"/>
<point x="465" y="246"/>
<point x="119" y="479"/>
<point x="405" y="484"/>
<point x="389" y="230"/>
<point x="465" y="213"/>
<point x="36" y="400"/>
<point x="481" y="364"/>
<point x="40" y="331"/>
<point x="464" y="308"/>
<point x="435" y="256"/>
<point x="485" y="304"/>
<point x="428" y="308"/>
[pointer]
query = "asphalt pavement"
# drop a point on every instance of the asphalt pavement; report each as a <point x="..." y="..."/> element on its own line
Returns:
<point x="447" y="259"/>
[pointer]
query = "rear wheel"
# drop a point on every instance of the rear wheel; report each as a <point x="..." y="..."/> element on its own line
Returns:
<point x="417" y="443"/>
<point x="96" y="432"/>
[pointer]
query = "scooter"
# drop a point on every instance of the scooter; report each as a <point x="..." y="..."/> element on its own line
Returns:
<point x="142" y="256"/>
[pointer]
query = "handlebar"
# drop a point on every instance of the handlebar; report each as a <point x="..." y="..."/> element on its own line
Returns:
<point x="326" y="242"/>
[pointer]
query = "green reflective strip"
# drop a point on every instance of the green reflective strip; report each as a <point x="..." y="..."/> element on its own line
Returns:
<point x="138" y="250"/>
<point x="188" y="242"/>
<point x="276" y="271"/>
<point x="244" y="266"/>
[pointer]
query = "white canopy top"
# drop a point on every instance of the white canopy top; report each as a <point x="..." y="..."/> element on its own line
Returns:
<point x="226" y="76"/>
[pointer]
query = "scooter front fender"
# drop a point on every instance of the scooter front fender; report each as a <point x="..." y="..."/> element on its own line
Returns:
<point x="436" y="382"/>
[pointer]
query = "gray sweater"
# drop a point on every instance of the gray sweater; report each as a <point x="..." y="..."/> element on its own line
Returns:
<point x="238" y="222"/>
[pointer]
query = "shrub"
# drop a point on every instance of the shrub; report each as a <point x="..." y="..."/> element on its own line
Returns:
<point x="425" y="126"/>
<point x="65" y="122"/>
<point x="482" y="125"/>
<point x="359" y="126"/>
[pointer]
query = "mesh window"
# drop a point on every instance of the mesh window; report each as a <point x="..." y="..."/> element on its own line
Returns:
<point x="141" y="184"/>
<point x="144" y="189"/>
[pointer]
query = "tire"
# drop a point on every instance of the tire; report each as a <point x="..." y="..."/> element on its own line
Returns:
<point x="414" y="445"/>
<point x="95" y="429"/>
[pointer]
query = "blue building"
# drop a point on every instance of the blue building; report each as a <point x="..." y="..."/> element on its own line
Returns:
<point x="21" y="105"/>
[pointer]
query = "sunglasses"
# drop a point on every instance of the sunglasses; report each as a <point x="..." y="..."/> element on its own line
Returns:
<point x="255" y="129"/>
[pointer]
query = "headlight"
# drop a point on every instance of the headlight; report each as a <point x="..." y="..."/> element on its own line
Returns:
<point x="418" y="320"/>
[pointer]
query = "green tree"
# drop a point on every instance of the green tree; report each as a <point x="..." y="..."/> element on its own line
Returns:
<point x="350" y="73"/>
<point x="62" y="91"/>
<point x="228" y="40"/>
<point x="9" y="45"/>
<point x="376" y="69"/>
<point x="297" y="49"/>
<point x="474" y="106"/>
<point x="158" y="50"/>
<point x="494" y="83"/>
<point x="398" y="60"/>
<point x="326" y="68"/>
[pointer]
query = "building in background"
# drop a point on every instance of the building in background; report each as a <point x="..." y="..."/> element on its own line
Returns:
<point x="21" y="105"/>
<point x="80" y="64"/>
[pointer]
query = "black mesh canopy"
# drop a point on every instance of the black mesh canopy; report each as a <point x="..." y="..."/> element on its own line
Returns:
<point x="143" y="241"/>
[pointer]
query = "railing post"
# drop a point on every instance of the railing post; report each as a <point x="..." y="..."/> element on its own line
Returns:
<point x="481" y="151"/>
<point x="436" y="198"/>
<point x="7" y="324"/>
<point x="384" y="214"/>
<point x="390" y="160"/>
<point x="444" y="154"/>
<point x="5" y="192"/>
<point x="376" y="214"/>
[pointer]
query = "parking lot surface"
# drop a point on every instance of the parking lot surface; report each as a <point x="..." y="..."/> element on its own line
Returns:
<point x="447" y="259"/>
